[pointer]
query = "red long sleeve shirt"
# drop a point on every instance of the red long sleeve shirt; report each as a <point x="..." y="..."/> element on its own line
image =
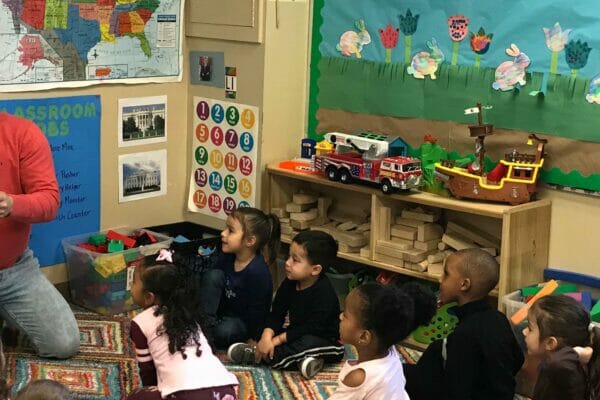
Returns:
<point x="27" y="174"/>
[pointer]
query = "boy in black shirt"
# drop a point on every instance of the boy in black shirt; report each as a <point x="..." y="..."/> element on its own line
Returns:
<point x="479" y="360"/>
<point x="306" y="295"/>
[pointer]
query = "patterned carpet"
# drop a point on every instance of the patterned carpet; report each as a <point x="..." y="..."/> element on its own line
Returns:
<point x="105" y="367"/>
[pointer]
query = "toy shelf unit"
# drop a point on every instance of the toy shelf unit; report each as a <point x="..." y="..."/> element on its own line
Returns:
<point x="411" y="233"/>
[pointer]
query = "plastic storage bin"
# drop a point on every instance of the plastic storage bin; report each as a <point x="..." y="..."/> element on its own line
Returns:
<point x="90" y="284"/>
<point x="198" y="235"/>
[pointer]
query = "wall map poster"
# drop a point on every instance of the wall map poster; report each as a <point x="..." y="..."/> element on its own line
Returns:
<point x="223" y="173"/>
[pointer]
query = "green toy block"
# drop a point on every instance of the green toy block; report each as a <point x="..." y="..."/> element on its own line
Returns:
<point x="97" y="239"/>
<point x="595" y="313"/>
<point x="115" y="246"/>
<point x="562" y="289"/>
<point x="131" y="255"/>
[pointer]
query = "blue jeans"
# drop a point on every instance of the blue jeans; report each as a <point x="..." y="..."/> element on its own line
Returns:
<point x="29" y="302"/>
<point x="226" y="330"/>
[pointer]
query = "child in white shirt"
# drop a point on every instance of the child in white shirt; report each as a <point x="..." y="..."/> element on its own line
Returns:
<point x="374" y="320"/>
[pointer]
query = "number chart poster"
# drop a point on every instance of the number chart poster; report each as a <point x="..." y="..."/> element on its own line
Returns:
<point x="224" y="157"/>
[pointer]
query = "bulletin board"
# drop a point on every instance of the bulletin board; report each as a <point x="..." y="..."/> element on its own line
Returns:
<point x="223" y="173"/>
<point x="72" y="127"/>
<point x="378" y="60"/>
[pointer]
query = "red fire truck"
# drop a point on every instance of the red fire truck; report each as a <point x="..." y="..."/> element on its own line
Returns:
<point x="360" y="158"/>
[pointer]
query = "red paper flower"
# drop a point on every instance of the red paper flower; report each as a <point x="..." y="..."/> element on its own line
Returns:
<point x="480" y="43"/>
<point x="458" y="26"/>
<point x="389" y="36"/>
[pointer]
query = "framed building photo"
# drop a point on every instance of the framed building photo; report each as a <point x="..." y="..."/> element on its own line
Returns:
<point x="142" y="175"/>
<point x="142" y="120"/>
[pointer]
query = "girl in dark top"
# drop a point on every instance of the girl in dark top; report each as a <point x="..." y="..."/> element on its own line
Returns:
<point x="236" y="295"/>
<point x="561" y="333"/>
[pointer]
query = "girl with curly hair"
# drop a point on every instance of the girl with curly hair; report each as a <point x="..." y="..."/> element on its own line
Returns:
<point x="173" y="353"/>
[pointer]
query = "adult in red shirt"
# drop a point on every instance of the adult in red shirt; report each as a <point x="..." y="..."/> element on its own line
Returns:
<point x="29" y="194"/>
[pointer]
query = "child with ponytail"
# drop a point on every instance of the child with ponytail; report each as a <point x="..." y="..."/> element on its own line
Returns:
<point x="236" y="295"/>
<point x="174" y="356"/>
<point x="560" y="332"/>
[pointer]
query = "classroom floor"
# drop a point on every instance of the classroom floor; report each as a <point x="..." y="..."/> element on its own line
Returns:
<point x="105" y="367"/>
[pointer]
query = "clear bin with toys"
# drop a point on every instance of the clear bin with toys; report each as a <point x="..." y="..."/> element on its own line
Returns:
<point x="100" y="266"/>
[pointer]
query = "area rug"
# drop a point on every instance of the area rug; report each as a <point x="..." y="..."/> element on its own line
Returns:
<point x="105" y="367"/>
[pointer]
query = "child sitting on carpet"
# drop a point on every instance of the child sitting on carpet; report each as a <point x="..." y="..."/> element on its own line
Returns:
<point x="561" y="333"/>
<point x="480" y="359"/>
<point x="236" y="295"/>
<point x="374" y="320"/>
<point x="306" y="295"/>
<point x="174" y="357"/>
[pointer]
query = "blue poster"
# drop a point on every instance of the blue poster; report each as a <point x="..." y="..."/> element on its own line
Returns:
<point x="72" y="126"/>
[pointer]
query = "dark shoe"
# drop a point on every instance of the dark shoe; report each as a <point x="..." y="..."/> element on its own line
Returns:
<point x="311" y="366"/>
<point x="241" y="353"/>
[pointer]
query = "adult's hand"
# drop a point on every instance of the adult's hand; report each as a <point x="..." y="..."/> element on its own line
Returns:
<point x="6" y="204"/>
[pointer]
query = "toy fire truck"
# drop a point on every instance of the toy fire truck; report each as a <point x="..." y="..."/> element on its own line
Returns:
<point x="364" y="157"/>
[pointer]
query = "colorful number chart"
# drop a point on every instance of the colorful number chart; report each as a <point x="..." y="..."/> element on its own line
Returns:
<point x="224" y="157"/>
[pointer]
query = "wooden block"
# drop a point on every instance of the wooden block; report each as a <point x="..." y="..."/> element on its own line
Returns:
<point x="436" y="257"/>
<point x="389" y="251"/>
<point x="287" y="237"/>
<point x="421" y="214"/>
<point x="280" y="212"/>
<point x="416" y="255"/>
<point x="363" y="227"/>
<point x="347" y="226"/>
<point x="475" y="234"/>
<point x="428" y="232"/>
<point x="435" y="269"/>
<point x="423" y="264"/>
<point x="403" y="242"/>
<point x="319" y="221"/>
<point x="287" y="229"/>
<point x="396" y="245"/>
<point x="414" y="267"/>
<point x="409" y="222"/>
<point x="348" y="249"/>
<point x="300" y="225"/>
<point x="323" y="204"/>
<point x="442" y="246"/>
<point x="365" y="252"/>
<point x="385" y="220"/>
<point x="457" y="242"/>
<point x="304" y="216"/>
<point x="491" y="250"/>
<point x="284" y="220"/>
<point x="389" y="259"/>
<point x="296" y="208"/>
<point x="341" y="216"/>
<point x="404" y="232"/>
<point x="304" y="198"/>
<point x="350" y="238"/>
<point x="428" y="245"/>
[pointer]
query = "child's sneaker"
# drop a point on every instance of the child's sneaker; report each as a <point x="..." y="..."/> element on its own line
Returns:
<point x="241" y="353"/>
<point x="311" y="366"/>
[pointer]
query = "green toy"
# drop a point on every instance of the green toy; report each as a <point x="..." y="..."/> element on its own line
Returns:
<point x="595" y="313"/>
<point x="115" y="246"/>
<point x="562" y="288"/>
<point x="97" y="239"/>
<point x="441" y="325"/>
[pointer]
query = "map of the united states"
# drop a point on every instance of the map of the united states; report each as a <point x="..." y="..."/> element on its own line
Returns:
<point x="78" y="40"/>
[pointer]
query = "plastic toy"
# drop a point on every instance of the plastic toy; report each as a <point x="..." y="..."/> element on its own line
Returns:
<point x="127" y="241"/>
<point x="307" y="149"/>
<point x="520" y="315"/>
<point x="512" y="181"/>
<point x="595" y="312"/>
<point x="97" y="239"/>
<point x="424" y="63"/>
<point x="441" y="325"/>
<point x="364" y="157"/>
<point x="115" y="246"/>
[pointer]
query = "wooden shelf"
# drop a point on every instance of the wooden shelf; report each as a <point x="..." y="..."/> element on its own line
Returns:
<point x="355" y="257"/>
<point x="524" y="229"/>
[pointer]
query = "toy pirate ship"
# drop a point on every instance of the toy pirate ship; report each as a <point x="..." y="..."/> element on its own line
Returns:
<point x="512" y="181"/>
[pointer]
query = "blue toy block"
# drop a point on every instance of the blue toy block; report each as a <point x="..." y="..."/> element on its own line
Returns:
<point x="574" y="277"/>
